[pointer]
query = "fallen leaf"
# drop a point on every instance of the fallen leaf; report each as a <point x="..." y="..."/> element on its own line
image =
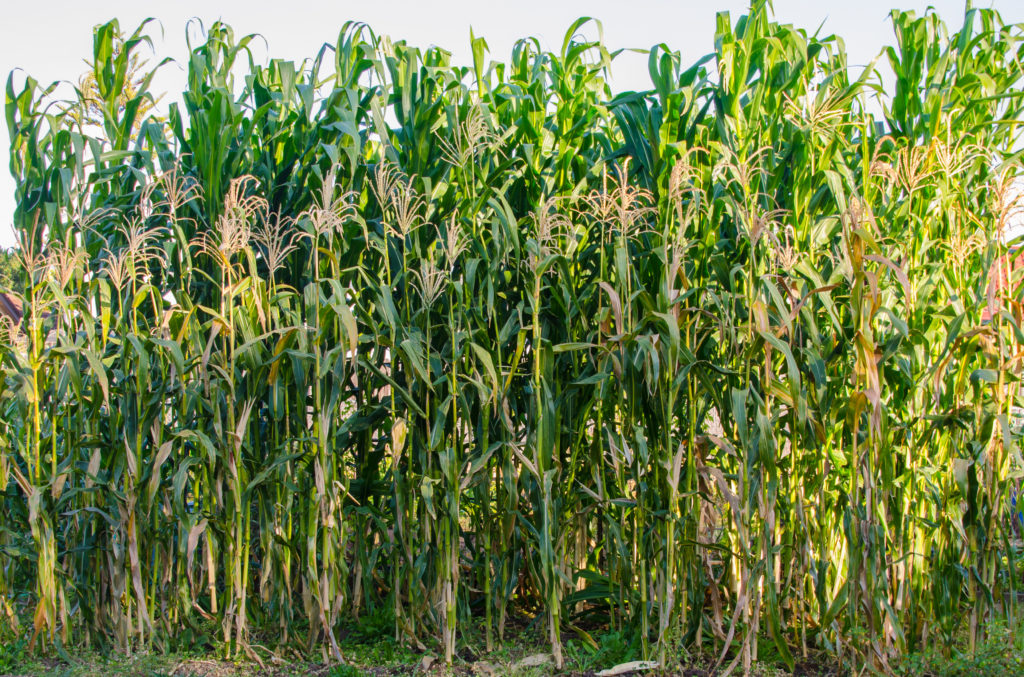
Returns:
<point x="533" y="661"/>
<point x="484" y="668"/>
<point x="623" y="668"/>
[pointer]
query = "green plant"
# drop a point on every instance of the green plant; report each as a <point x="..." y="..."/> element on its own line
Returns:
<point x="345" y="671"/>
<point x="12" y="654"/>
<point x="998" y="654"/>
<point x="612" y="649"/>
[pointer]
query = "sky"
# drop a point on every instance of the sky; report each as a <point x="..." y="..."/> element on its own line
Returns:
<point x="51" y="40"/>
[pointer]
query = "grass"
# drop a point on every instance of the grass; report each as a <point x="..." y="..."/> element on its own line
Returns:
<point x="999" y="655"/>
<point x="364" y="659"/>
<point x="370" y="652"/>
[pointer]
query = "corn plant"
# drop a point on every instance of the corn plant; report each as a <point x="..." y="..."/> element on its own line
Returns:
<point x="731" y="359"/>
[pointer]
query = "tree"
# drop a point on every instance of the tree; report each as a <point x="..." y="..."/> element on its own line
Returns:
<point x="11" y="272"/>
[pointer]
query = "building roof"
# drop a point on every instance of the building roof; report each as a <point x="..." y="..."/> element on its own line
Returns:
<point x="11" y="307"/>
<point x="1004" y="276"/>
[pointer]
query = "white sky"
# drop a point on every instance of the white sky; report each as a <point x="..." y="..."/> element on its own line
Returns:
<point x="50" y="40"/>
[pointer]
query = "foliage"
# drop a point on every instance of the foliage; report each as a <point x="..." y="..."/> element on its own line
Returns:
<point x="613" y="648"/>
<point x="346" y="671"/>
<point x="12" y="655"/>
<point x="1000" y="654"/>
<point x="725" y="362"/>
<point x="11" y="272"/>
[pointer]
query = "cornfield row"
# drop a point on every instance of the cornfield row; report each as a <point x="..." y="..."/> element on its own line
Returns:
<point x="732" y="358"/>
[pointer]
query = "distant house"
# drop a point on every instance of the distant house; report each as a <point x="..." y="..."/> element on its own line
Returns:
<point x="1005" y="278"/>
<point x="10" y="306"/>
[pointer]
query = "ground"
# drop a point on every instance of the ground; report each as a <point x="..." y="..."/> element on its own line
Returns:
<point x="378" y="655"/>
<point x="155" y="665"/>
